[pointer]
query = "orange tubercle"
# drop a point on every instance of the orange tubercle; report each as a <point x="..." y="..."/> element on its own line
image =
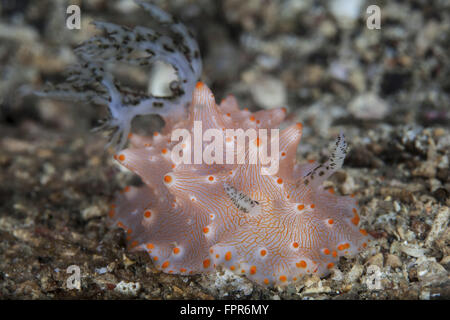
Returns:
<point x="199" y="85"/>
<point x="355" y="219"/>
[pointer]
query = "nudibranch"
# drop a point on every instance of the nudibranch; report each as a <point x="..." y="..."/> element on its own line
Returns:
<point x="272" y="228"/>
<point x="273" y="224"/>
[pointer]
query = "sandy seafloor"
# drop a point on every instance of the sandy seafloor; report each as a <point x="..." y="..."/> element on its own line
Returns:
<point x="387" y="89"/>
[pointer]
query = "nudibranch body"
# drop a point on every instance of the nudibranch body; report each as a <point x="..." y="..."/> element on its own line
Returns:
<point x="272" y="228"/>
